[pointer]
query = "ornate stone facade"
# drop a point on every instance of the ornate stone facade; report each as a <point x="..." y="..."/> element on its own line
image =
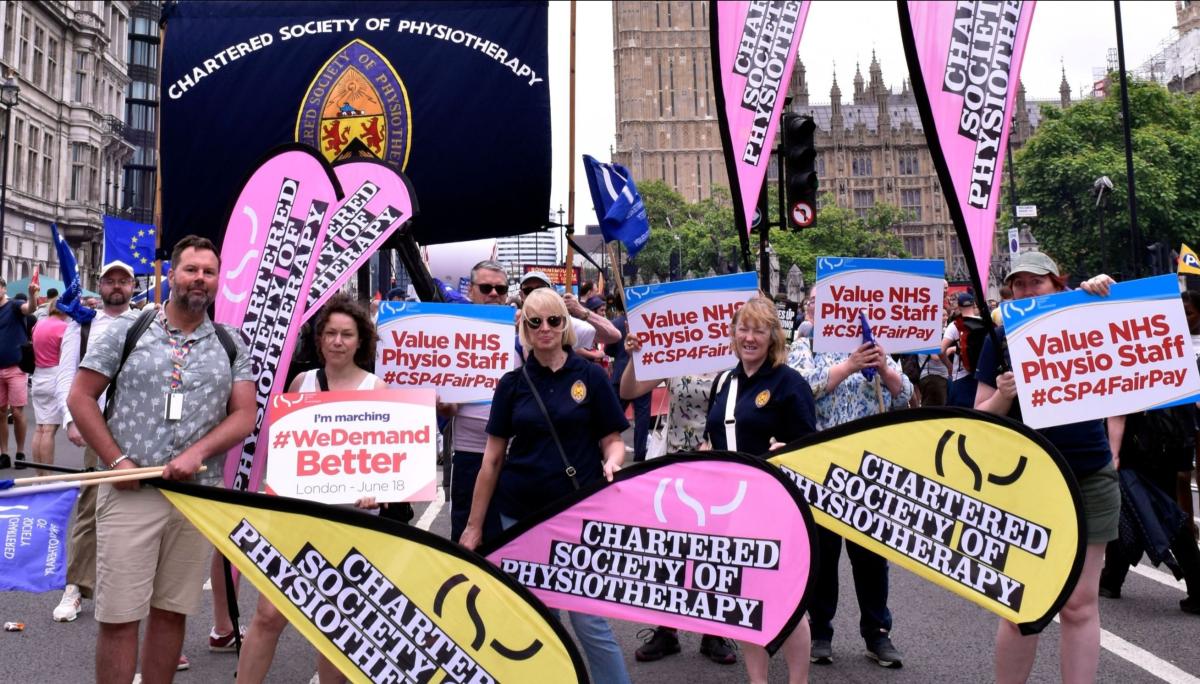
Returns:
<point x="871" y="148"/>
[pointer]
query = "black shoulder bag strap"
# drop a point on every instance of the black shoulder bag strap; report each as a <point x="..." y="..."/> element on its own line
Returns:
<point x="570" y="469"/>
<point x="322" y="380"/>
<point x="132" y="335"/>
<point x="85" y="331"/>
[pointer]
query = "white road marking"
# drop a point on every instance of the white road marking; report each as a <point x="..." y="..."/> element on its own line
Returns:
<point x="431" y="512"/>
<point x="1143" y="658"/>
<point x="1161" y="576"/>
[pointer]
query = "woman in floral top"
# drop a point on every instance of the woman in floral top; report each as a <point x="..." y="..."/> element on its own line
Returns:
<point x="843" y="395"/>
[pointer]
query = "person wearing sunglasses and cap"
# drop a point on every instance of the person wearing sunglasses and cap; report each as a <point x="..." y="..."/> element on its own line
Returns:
<point x="489" y="286"/>
<point x="525" y="470"/>
<point x="590" y="327"/>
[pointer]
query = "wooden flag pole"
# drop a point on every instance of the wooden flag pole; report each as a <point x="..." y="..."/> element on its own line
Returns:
<point x="569" y="257"/>
<point x="616" y="271"/>
<point x="96" y="477"/>
<point x="157" y="214"/>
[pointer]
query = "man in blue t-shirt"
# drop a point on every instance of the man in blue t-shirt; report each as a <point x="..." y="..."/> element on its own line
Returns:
<point x="13" y="381"/>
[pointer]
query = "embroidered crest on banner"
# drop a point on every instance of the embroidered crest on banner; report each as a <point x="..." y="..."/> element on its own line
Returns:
<point x="357" y="100"/>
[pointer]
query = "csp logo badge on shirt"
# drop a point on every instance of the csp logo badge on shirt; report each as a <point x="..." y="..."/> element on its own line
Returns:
<point x="762" y="398"/>
<point x="579" y="391"/>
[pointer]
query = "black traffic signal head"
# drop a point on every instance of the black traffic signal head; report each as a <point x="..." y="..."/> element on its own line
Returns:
<point x="800" y="172"/>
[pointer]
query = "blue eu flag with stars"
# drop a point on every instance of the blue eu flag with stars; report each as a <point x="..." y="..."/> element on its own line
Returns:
<point x="130" y="242"/>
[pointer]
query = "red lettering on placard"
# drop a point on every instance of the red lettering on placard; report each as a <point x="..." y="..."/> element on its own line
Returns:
<point x="349" y="462"/>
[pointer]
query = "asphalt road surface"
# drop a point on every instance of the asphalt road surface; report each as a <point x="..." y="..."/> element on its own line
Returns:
<point x="943" y="638"/>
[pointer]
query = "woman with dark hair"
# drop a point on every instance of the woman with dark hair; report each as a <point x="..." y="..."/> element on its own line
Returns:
<point x="346" y="340"/>
<point x="558" y="393"/>
<point x="1086" y="449"/>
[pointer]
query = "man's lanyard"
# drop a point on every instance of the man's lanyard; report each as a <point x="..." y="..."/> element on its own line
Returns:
<point x="179" y="352"/>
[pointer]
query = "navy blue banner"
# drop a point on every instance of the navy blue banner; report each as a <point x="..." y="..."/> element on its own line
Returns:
<point x="455" y="94"/>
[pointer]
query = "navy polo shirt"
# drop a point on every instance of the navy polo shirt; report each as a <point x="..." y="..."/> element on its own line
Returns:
<point x="584" y="408"/>
<point x="12" y="333"/>
<point x="776" y="402"/>
<point x="1084" y="445"/>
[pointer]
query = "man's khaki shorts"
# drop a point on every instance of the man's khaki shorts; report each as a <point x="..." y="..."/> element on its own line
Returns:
<point x="147" y="555"/>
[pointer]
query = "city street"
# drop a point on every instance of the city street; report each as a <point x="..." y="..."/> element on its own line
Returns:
<point x="943" y="638"/>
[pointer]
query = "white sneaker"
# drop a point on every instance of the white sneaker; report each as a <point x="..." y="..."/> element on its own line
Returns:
<point x="68" y="607"/>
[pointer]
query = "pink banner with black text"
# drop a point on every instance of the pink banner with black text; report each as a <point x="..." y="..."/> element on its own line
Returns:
<point x="754" y="48"/>
<point x="292" y="239"/>
<point x="964" y="59"/>
<point x="715" y="542"/>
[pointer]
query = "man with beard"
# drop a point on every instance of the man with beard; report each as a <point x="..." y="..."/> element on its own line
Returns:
<point x="179" y="402"/>
<point x="116" y="289"/>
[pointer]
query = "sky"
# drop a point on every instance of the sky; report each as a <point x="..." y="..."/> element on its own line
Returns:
<point x="1074" y="36"/>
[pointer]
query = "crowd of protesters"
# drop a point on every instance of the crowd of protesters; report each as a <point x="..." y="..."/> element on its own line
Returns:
<point x="139" y="560"/>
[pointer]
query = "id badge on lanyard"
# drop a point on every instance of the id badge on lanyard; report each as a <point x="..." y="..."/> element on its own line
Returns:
<point x="179" y="352"/>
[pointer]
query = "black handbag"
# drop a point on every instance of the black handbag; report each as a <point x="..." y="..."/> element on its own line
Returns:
<point x="27" y="364"/>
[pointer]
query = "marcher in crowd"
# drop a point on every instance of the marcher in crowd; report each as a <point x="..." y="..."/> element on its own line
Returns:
<point x="687" y="416"/>
<point x="180" y="401"/>
<point x="47" y="412"/>
<point x="596" y="354"/>
<point x="772" y="405"/>
<point x="346" y="341"/>
<point x="961" y="389"/>
<point x="13" y="382"/>
<point x="1191" y="309"/>
<point x="843" y="393"/>
<point x="641" y="402"/>
<point x="523" y="469"/>
<point x="489" y="285"/>
<point x="116" y="289"/>
<point x="1086" y="449"/>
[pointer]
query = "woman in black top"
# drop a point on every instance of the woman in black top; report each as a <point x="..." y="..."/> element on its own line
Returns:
<point x="773" y="405"/>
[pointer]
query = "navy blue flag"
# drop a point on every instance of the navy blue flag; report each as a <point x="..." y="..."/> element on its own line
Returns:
<point x="132" y="243"/>
<point x="35" y="518"/>
<point x="618" y="205"/>
<point x="454" y="94"/>
<point x="69" y="301"/>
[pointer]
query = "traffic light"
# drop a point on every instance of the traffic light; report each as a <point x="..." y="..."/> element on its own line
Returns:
<point x="800" y="170"/>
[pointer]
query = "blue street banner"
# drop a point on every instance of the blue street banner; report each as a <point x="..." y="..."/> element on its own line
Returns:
<point x="130" y="242"/>
<point x="900" y="299"/>
<point x="453" y="94"/>
<point x="684" y="325"/>
<point x="1077" y="356"/>
<point x="457" y="349"/>
<point x="33" y="526"/>
<point x="618" y="205"/>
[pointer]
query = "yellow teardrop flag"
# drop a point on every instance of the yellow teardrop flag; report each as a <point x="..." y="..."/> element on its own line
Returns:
<point x="383" y="601"/>
<point x="1188" y="262"/>
<point x="980" y="505"/>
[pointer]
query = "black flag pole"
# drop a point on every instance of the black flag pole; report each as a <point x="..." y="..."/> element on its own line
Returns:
<point x="1135" y="235"/>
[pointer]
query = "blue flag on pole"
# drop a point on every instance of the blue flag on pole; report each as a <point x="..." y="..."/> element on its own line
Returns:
<point x="70" y="302"/>
<point x="35" y="519"/>
<point x="130" y="242"/>
<point x="618" y="205"/>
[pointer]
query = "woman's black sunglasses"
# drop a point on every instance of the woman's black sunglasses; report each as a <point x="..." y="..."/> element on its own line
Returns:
<point x="487" y="288"/>
<point x="535" y="322"/>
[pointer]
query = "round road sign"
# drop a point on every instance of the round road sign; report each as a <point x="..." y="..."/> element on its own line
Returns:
<point x="802" y="214"/>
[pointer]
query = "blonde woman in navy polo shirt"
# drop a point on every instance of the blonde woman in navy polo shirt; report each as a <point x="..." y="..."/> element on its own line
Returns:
<point x="773" y="405"/>
<point x="522" y="467"/>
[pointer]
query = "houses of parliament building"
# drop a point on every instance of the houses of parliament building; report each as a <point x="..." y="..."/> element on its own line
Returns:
<point x="870" y="148"/>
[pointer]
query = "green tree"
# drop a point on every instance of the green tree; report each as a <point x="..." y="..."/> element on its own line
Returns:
<point x="703" y="232"/>
<point x="1073" y="147"/>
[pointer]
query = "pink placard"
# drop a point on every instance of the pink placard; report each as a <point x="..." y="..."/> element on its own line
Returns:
<point x="715" y="543"/>
<point x="969" y="54"/>
<point x="754" y="50"/>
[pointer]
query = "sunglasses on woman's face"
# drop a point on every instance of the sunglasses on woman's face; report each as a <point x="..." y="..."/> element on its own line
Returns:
<point x="487" y="288"/>
<point x="535" y="322"/>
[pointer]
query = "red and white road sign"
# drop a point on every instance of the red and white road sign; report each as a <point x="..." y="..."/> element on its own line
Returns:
<point x="803" y="214"/>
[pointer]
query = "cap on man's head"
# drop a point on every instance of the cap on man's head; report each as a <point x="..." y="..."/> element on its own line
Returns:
<point x="1032" y="262"/>
<point x="117" y="265"/>
<point x="966" y="299"/>
<point x="595" y="302"/>
<point x="535" y="275"/>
